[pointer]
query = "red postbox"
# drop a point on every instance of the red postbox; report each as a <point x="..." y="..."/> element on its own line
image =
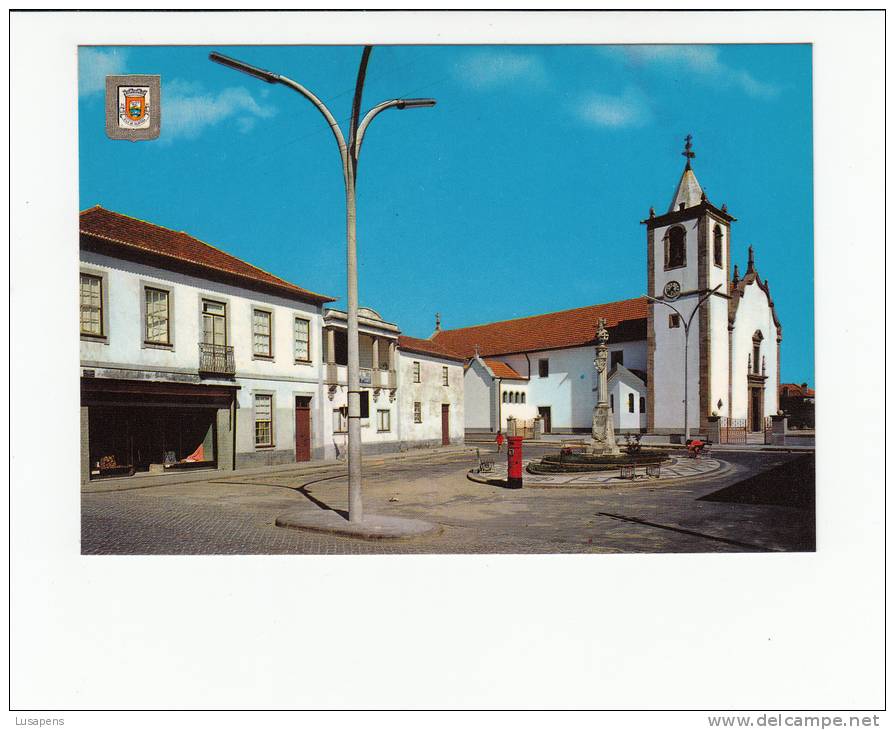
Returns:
<point x="514" y="462"/>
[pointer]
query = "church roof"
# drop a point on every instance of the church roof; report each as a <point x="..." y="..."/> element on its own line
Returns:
<point x="502" y="370"/>
<point x="631" y="375"/>
<point x="426" y="347"/>
<point x="689" y="191"/>
<point x="626" y="321"/>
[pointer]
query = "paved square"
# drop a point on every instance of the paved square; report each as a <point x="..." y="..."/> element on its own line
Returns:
<point x="235" y="515"/>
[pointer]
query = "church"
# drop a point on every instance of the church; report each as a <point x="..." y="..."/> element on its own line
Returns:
<point x="702" y="329"/>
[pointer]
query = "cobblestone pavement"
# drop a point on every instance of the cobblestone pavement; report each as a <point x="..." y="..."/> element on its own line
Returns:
<point x="235" y="515"/>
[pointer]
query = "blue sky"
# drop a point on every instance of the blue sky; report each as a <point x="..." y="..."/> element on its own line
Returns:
<point x="520" y="193"/>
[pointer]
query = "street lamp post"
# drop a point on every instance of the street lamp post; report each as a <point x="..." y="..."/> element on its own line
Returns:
<point x="349" y="152"/>
<point x="687" y="323"/>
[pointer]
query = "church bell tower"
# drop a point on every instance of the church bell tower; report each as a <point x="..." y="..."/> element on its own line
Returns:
<point x="688" y="255"/>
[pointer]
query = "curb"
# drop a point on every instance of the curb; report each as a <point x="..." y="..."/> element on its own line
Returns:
<point x="722" y="470"/>
<point x="373" y="527"/>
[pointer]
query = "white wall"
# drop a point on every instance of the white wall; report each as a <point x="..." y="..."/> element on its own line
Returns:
<point x="720" y="355"/>
<point x="753" y="313"/>
<point x="520" y="411"/>
<point x="431" y="393"/>
<point x="568" y="390"/>
<point x="477" y="397"/>
<point x="125" y="338"/>
<point x="281" y="375"/>
<point x="622" y="418"/>
<point x="668" y="367"/>
<point x="337" y="442"/>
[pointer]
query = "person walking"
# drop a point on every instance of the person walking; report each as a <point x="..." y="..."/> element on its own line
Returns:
<point x="499" y="440"/>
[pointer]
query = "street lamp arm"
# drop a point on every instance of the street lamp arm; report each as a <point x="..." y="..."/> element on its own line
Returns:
<point x="274" y="78"/>
<point x="330" y="119"/>
<point x="355" y="104"/>
<point x="381" y="107"/>
<point x="368" y="117"/>
<point x="670" y="306"/>
<point x="700" y="302"/>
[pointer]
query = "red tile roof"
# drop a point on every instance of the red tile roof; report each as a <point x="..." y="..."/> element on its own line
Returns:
<point x="626" y="321"/>
<point x="502" y="370"/>
<point x="794" y="390"/>
<point x="124" y="232"/>
<point x="427" y="347"/>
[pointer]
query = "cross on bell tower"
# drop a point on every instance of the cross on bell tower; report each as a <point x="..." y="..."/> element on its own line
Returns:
<point x="688" y="150"/>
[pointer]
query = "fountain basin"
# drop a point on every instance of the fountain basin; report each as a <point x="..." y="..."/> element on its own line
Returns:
<point x="584" y="462"/>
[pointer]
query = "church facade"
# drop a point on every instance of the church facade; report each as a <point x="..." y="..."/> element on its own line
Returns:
<point x="697" y="306"/>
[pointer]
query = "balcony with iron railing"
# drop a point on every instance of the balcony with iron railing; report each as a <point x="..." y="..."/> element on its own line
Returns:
<point x="216" y="359"/>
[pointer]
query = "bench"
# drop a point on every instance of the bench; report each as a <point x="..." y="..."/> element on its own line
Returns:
<point x="484" y="467"/>
<point x="629" y="471"/>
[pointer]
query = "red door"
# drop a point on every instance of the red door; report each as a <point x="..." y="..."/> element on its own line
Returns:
<point x="445" y="424"/>
<point x="302" y="428"/>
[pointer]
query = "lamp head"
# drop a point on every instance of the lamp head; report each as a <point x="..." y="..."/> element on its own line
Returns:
<point x="258" y="73"/>
<point x="414" y="103"/>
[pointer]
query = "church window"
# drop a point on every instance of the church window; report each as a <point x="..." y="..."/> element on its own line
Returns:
<point x="718" y="244"/>
<point x="674" y="321"/>
<point x="506" y="397"/>
<point x="543" y="368"/>
<point x="612" y="403"/>
<point x="616" y="358"/>
<point x="630" y="402"/>
<point x="523" y="397"/>
<point x="675" y="248"/>
<point x="642" y="404"/>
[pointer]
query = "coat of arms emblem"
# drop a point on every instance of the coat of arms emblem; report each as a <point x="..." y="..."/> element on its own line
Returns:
<point x="134" y="107"/>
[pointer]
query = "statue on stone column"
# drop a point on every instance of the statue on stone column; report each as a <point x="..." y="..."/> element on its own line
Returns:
<point x="603" y="432"/>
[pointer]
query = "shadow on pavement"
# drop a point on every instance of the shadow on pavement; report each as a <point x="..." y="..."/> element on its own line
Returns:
<point x="787" y="485"/>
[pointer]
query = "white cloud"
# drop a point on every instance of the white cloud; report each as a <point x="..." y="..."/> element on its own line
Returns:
<point x="188" y="110"/>
<point x="488" y="69"/>
<point x="627" y="110"/>
<point x="94" y="65"/>
<point x="702" y="61"/>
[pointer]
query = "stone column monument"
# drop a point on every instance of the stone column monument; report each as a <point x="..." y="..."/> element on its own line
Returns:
<point x="603" y="433"/>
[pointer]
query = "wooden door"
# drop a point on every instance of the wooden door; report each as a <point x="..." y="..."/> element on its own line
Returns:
<point x="302" y="428"/>
<point x="445" y="424"/>
<point x="757" y="410"/>
<point x="544" y="413"/>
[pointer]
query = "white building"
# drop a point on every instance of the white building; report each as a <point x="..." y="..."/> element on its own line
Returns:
<point x="543" y="366"/>
<point x="413" y="388"/>
<point x="193" y="358"/>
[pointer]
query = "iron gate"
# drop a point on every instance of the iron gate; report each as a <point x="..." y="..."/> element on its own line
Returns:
<point x="733" y="430"/>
